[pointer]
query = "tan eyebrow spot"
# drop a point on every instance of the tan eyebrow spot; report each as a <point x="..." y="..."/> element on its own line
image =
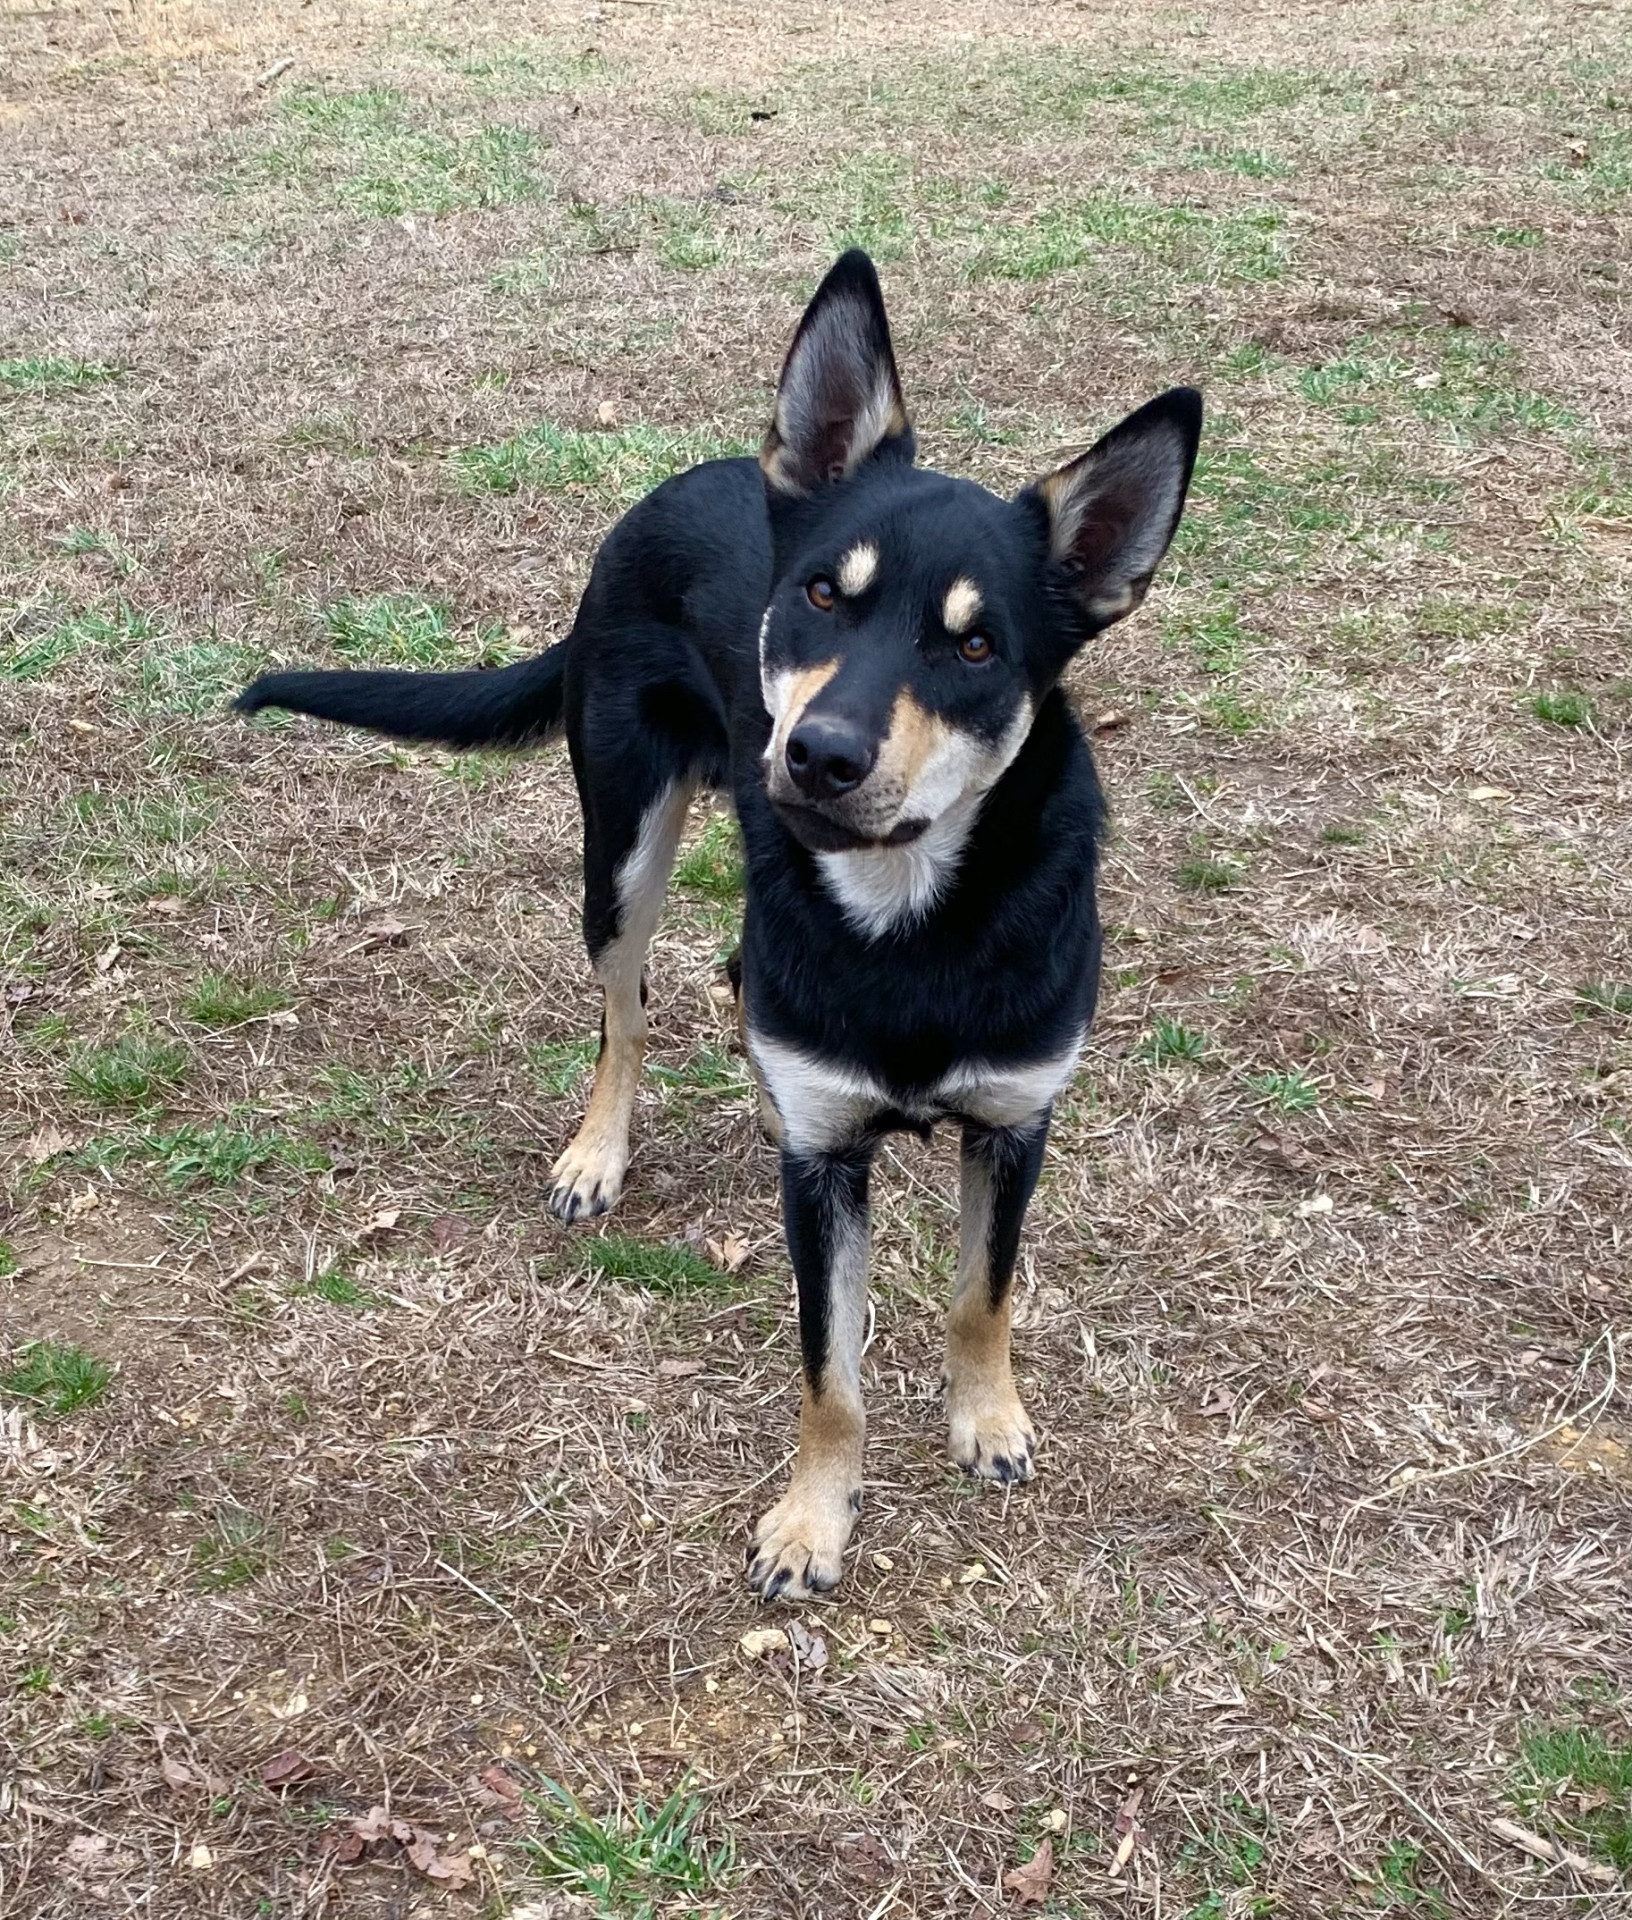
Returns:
<point x="961" y="607"/>
<point x="858" y="569"/>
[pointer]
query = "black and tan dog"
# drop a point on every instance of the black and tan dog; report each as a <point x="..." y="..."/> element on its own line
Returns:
<point x="866" y="656"/>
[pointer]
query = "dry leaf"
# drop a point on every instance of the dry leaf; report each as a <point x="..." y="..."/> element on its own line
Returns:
<point x="1540" y="1849"/>
<point x="348" y="1849"/>
<point x="176" y="1775"/>
<point x="810" y="1647"/>
<point x="381" y="1222"/>
<point x="1027" y="1733"/>
<point x="759" y="1641"/>
<point x="974" y="1572"/>
<point x="201" y="1859"/>
<point x="287" y="1769"/>
<point x="730" y="1252"/>
<point x="1281" y="1152"/>
<point x="447" y="1230"/>
<point x="1110" y="720"/>
<point x="451" y="1868"/>
<point x="46" y="1144"/>
<point x="1029" y="1884"/>
<point x="678" y="1369"/>
<point x="106" y="958"/>
<point x="998" y="1802"/>
<point x="864" y="1858"/>
<point x="1218" y="1400"/>
<point x="384" y="930"/>
<point x="169" y="903"/>
<point x="1316" y="1203"/>
<point x="606" y="414"/>
<point x="1127" y="1825"/>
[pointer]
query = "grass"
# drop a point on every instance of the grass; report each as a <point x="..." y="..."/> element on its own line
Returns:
<point x="221" y="1001"/>
<point x="634" y="1863"/>
<point x="1562" y="707"/>
<point x="1601" y="997"/>
<point x="216" y="1155"/>
<point x="1170" y="1043"/>
<point x="1581" y="1781"/>
<point x="107" y="634"/>
<point x="617" y="467"/>
<point x="712" y="869"/>
<point x="1291" y="1092"/>
<point x="135" y="1070"/>
<point x="233" y="1554"/>
<point x="50" y="374"/>
<point x="558" y="1065"/>
<point x="1458" y="379"/>
<point x="368" y="151"/>
<point x="1202" y="874"/>
<point x="58" y="1376"/>
<point x="407" y="630"/>
<point x="9" y="1263"/>
<point x="660" y="1266"/>
<point x="1249" y="247"/>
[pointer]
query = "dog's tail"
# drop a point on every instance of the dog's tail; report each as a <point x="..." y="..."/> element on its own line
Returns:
<point x="518" y="706"/>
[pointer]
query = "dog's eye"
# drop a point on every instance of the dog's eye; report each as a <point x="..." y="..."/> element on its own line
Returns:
<point x="821" y="593"/>
<point x="976" y="648"/>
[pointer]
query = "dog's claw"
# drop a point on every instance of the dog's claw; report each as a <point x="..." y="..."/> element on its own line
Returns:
<point x="990" y="1435"/>
<point x="587" y="1182"/>
<point x="798" y="1547"/>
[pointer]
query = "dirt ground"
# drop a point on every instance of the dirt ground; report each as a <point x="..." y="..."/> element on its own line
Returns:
<point x="385" y="1559"/>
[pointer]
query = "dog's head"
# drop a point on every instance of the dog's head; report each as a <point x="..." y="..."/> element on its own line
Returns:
<point x="916" y="621"/>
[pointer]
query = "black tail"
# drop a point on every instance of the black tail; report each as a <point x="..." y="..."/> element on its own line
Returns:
<point x="517" y="706"/>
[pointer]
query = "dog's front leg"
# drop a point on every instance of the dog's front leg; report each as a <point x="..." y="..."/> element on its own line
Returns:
<point x="989" y="1433"/>
<point x="798" y="1547"/>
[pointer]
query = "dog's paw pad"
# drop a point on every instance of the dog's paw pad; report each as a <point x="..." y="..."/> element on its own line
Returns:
<point x="585" y="1181"/>
<point x="798" y="1547"/>
<point x="991" y="1437"/>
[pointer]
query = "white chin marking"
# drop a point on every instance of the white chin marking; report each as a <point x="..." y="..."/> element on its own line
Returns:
<point x="882" y="888"/>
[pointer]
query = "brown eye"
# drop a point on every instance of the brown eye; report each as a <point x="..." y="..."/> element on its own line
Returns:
<point x="975" y="648"/>
<point x="821" y="593"/>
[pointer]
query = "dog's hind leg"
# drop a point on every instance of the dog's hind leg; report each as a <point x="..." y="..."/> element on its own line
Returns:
<point x="989" y="1433"/>
<point x="625" y="878"/>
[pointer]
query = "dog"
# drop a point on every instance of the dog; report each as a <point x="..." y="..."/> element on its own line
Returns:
<point x="866" y="656"/>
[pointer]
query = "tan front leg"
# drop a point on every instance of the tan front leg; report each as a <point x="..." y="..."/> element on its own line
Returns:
<point x="798" y="1547"/>
<point x="989" y="1432"/>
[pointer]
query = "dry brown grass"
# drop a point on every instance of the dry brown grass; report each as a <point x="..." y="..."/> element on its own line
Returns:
<point x="1334" y="1521"/>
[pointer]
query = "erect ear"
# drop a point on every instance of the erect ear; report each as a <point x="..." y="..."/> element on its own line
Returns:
<point x="1112" y="512"/>
<point x="839" y="399"/>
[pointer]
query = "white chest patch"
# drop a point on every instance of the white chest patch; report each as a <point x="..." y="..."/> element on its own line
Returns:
<point x="880" y="888"/>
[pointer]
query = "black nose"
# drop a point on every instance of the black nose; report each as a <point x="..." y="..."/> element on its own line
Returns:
<point x="827" y="757"/>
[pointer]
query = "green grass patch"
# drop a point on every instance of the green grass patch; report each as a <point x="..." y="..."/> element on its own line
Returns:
<point x="533" y="69"/>
<point x="1561" y="707"/>
<point x="212" y="1156"/>
<point x="1212" y="632"/>
<point x="709" y="1073"/>
<point x="634" y="1863"/>
<point x="132" y="1071"/>
<point x="233" y="1554"/>
<point x="1249" y="245"/>
<point x="338" y="1288"/>
<point x="220" y="1001"/>
<point x="8" y="1260"/>
<point x="558" y="1065"/>
<point x="1171" y="1043"/>
<point x="1202" y="874"/>
<point x="619" y="468"/>
<point x="52" y="374"/>
<point x="57" y="1376"/>
<point x="111" y="632"/>
<point x="713" y="868"/>
<point x="408" y="630"/>
<point x="535" y="272"/>
<point x="1581" y="1780"/>
<point x="1459" y="379"/>
<point x="661" y="1266"/>
<point x="364" y="150"/>
<point x="1398" y="1887"/>
<point x="1601" y="997"/>
<point x="1286" y="1092"/>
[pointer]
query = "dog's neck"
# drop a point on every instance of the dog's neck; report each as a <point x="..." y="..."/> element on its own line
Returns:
<point x="883" y="889"/>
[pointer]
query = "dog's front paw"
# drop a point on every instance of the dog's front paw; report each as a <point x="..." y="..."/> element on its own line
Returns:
<point x="587" y="1179"/>
<point x="798" y="1547"/>
<point x="989" y="1434"/>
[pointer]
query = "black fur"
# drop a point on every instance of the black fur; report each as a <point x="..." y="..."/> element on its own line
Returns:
<point x="661" y="682"/>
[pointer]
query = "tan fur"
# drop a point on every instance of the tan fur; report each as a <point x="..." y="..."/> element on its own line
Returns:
<point x="808" y="1528"/>
<point x="913" y="736"/>
<point x="787" y="697"/>
<point x="858" y="569"/>
<point x="962" y="606"/>
<point x="985" y="1420"/>
<point x="597" y="1157"/>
